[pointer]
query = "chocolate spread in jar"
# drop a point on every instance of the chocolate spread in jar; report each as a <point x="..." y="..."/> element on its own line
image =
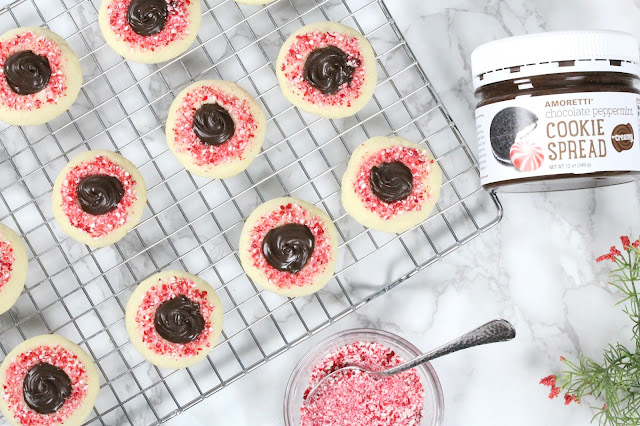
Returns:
<point x="567" y="122"/>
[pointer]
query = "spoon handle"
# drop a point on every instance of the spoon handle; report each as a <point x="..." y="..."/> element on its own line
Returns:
<point x="491" y="332"/>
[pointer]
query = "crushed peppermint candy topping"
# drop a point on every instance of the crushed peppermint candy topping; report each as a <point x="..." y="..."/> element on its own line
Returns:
<point x="354" y="397"/>
<point x="42" y="46"/>
<point x="176" y="26"/>
<point x="97" y="225"/>
<point x="234" y="148"/>
<point x="7" y="258"/>
<point x="54" y="355"/>
<point x="317" y="262"/>
<point x="420" y="166"/>
<point x="293" y="67"/>
<point x="167" y="289"/>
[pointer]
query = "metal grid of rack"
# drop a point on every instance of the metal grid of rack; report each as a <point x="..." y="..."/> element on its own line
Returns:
<point x="192" y="223"/>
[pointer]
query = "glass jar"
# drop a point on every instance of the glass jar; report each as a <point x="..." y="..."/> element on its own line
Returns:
<point x="299" y="381"/>
<point x="558" y="110"/>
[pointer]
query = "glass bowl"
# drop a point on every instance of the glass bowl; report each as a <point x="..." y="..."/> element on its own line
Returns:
<point x="299" y="380"/>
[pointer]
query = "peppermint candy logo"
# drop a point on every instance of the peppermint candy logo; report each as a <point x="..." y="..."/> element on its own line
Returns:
<point x="526" y="155"/>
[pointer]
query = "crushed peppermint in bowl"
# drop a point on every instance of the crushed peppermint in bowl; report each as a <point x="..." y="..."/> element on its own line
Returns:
<point x="412" y="398"/>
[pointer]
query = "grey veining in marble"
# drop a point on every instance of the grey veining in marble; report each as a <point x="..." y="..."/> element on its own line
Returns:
<point x="536" y="268"/>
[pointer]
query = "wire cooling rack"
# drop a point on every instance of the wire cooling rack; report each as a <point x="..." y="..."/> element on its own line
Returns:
<point x="194" y="224"/>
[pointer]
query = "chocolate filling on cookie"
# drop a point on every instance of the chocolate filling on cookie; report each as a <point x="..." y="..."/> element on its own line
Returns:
<point x="288" y="247"/>
<point x="213" y="124"/>
<point x="329" y="68"/>
<point x="147" y="17"/>
<point x="99" y="194"/>
<point x="391" y="182"/>
<point x="46" y="388"/>
<point x="26" y="72"/>
<point x="179" y="320"/>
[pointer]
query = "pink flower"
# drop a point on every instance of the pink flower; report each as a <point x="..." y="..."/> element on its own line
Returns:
<point x="613" y="252"/>
<point x="604" y="407"/>
<point x="569" y="398"/>
<point x="549" y="381"/>
<point x="626" y="243"/>
<point x="562" y="358"/>
<point x="636" y="243"/>
<point x="605" y="257"/>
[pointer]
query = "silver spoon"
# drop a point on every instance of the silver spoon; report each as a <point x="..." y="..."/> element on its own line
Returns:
<point x="491" y="332"/>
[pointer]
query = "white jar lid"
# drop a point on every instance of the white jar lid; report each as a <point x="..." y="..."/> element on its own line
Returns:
<point x="512" y="57"/>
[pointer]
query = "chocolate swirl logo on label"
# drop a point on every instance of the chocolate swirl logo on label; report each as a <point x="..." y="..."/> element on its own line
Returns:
<point x="179" y="320"/>
<point x="391" y="182"/>
<point x="288" y="247"/>
<point x="329" y="68"/>
<point x="213" y="124"/>
<point x="99" y="194"/>
<point x="622" y="137"/>
<point x="27" y="73"/>
<point x="147" y="17"/>
<point x="46" y="388"/>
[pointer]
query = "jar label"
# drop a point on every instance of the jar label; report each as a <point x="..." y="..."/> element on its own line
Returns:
<point x="549" y="135"/>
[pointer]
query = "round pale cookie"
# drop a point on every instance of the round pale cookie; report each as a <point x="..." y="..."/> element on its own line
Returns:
<point x="98" y="197"/>
<point x="150" y="31"/>
<point x="13" y="267"/>
<point x="174" y="319"/>
<point x="215" y="128"/>
<point x="391" y="184"/>
<point x="327" y="69"/>
<point x="289" y="247"/>
<point x="41" y="76"/>
<point x="46" y="381"/>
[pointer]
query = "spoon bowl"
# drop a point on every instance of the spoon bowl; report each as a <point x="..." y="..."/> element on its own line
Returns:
<point x="492" y="332"/>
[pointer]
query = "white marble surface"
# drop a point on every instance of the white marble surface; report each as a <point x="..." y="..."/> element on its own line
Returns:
<point x="535" y="269"/>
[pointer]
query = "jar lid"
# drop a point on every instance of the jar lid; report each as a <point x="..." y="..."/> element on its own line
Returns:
<point x="587" y="50"/>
